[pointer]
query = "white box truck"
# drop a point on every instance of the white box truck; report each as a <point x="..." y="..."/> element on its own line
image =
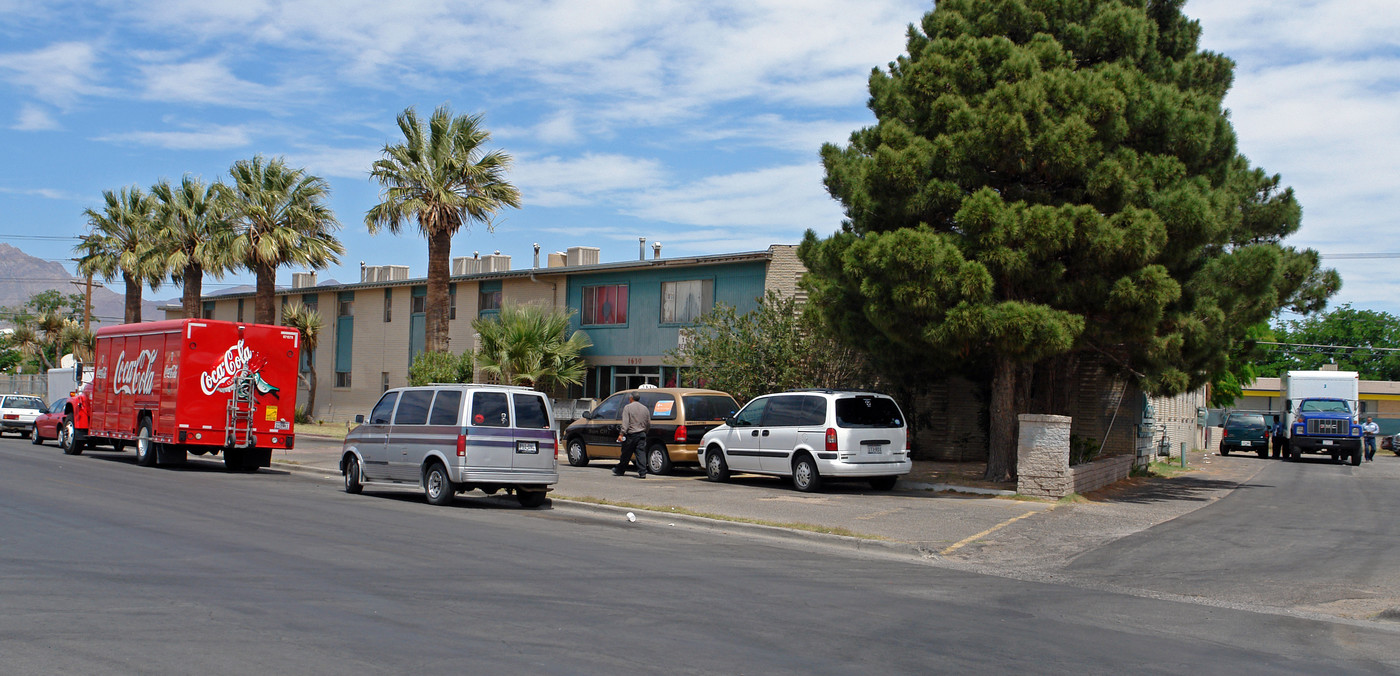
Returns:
<point x="1320" y="409"/>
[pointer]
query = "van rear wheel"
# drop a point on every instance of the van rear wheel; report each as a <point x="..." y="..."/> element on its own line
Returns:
<point x="658" y="461"/>
<point x="884" y="483"/>
<point x="437" y="488"/>
<point x="530" y="499"/>
<point x="805" y="477"/>
<point x="352" y="475"/>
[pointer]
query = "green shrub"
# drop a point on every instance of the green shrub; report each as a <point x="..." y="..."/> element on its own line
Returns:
<point x="441" y="367"/>
<point x="1082" y="449"/>
<point x="303" y="416"/>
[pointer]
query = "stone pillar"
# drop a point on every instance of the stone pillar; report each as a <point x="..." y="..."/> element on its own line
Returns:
<point x="1042" y="456"/>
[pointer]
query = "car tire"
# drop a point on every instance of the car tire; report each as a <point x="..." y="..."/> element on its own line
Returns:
<point x="716" y="469"/>
<point x="352" y="475"/>
<point x="34" y="437"/>
<point x="884" y="483"/>
<point x="145" y="446"/>
<point x="437" y="487"/>
<point x="1263" y="455"/>
<point x="1356" y="457"/>
<point x="67" y="437"/>
<point x="805" y="477"/>
<point x="658" y="460"/>
<point x="119" y="445"/>
<point x="577" y="452"/>
<point x="239" y="460"/>
<point x="530" y="499"/>
<point x="1224" y="451"/>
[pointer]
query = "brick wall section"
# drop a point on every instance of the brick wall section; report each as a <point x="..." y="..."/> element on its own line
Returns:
<point x="784" y="271"/>
<point x="1100" y="473"/>
<point x="1042" y="456"/>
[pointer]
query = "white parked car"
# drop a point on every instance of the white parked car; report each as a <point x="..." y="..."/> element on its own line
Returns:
<point x="812" y="436"/>
<point x="18" y="411"/>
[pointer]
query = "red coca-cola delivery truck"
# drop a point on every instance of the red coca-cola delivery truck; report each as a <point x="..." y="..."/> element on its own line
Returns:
<point x="189" y="386"/>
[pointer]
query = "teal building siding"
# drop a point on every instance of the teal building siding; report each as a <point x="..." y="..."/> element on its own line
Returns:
<point x="644" y="338"/>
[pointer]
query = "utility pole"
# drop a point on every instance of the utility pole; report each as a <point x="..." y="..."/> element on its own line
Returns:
<point x="87" y="299"/>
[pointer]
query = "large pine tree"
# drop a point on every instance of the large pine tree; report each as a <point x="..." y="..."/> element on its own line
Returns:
<point x="1050" y="178"/>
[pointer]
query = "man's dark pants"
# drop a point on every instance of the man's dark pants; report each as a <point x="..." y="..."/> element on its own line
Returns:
<point x="632" y="445"/>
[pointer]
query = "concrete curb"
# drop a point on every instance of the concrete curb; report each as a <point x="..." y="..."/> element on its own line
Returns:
<point x="657" y="517"/>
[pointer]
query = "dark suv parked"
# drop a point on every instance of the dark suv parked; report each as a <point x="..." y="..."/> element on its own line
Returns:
<point x="1246" y="432"/>
<point x="679" y="417"/>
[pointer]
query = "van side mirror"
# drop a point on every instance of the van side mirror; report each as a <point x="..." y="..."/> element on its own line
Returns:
<point x="587" y="415"/>
<point x="359" y="418"/>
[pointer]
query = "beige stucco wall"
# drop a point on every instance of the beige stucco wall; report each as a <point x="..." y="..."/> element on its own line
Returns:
<point x="784" y="272"/>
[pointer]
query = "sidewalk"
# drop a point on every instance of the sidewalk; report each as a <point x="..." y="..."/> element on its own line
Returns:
<point x="920" y="516"/>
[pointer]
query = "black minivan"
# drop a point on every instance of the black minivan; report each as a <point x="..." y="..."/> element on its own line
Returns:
<point x="1246" y="432"/>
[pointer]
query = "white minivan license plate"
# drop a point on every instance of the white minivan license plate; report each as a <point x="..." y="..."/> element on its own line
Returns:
<point x="527" y="446"/>
<point x="874" y="449"/>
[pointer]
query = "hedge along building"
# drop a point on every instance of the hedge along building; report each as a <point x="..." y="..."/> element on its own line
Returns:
<point x="372" y="330"/>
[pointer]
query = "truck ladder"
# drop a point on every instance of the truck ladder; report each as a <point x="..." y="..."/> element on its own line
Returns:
<point x="241" y="408"/>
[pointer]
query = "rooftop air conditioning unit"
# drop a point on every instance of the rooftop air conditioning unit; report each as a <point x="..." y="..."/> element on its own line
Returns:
<point x="302" y="280"/>
<point x="466" y="265"/>
<point x="393" y="273"/>
<point x="582" y="255"/>
<point x="369" y="274"/>
<point x="495" y="263"/>
<point x="558" y="259"/>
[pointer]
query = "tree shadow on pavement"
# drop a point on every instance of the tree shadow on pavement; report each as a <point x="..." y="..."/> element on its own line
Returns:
<point x="1147" y="490"/>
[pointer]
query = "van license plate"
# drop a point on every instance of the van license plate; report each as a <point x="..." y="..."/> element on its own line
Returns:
<point x="874" y="449"/>
<point x="1244" y="443"/>
<point x="527" y="447"/>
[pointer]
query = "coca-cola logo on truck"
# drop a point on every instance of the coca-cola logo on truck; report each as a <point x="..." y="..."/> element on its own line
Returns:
<point x="237" y="360"/>
<point x="137" y="376"/>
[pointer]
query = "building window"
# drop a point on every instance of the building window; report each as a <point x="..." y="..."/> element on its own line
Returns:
<point x="489" y="298"/>
<point x="388" y="305"/>
<point x="346" y="306"/>
<point x="420" y="303"/>
<point x="603" y="305"/>
<point x="344" y="337"/>
<point x="240" y="309"/>
<point x="684" y="302"/>
<point x="342" y="379"/>
<point x="384" y="381"/>
<point x="451" y="301"/>
<point x="208" y="311"/>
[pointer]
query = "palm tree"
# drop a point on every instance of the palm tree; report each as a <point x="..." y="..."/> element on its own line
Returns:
<point x="194" y="231"/>
<point x="307" y="322"/>
<point x="79" y="339"/>
<point x="531" y="345"/>
<point x="443" y="177"/>
<point x="121" y="242"/>
<point x="280" y="218"/>
<point x="27" y="340"/>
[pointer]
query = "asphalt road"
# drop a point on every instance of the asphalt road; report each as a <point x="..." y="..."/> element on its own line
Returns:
<point x="106" y="567"/>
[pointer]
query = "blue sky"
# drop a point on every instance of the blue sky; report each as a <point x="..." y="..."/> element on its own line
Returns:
<point x="695" y="124"/>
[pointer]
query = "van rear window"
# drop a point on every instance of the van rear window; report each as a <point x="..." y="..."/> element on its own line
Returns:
<point x="868" y="412"/>
<point x="530" y="412"/>
<point x="708" y="407"/>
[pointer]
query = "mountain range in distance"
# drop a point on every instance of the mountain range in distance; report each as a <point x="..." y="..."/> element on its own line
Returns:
<point x="22" y="276"/>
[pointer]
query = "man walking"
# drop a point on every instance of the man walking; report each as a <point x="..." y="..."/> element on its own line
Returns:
<point x="636" y="420"/>
<point x="1368" y="435"/>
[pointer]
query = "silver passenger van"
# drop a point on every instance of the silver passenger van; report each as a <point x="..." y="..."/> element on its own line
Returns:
<point x="449" y="438"/>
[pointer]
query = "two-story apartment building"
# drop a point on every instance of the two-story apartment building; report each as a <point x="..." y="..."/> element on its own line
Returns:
<point x="633" y="311"/>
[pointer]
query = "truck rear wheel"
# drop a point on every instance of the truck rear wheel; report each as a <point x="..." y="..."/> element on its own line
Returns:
<point x="145" y="446"/>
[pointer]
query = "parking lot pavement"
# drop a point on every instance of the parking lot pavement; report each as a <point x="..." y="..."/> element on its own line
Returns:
<point x="914" y="518"/>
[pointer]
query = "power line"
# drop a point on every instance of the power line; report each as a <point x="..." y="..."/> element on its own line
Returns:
<point x="1328" y="347"/>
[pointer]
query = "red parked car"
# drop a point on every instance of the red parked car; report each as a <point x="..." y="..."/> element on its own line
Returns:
<point x="46" y="426"/>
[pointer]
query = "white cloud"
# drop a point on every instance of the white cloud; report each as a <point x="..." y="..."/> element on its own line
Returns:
<point x="339" y="162"/>
<point x="211" y="81"/>
<point x="34" y="118"/>
<point x="58" y="74"/>
<point x="207" y="138"/>
<point x="788" y="200"/>
<point x="46" y="193"/>
<point x="593" y="177"/>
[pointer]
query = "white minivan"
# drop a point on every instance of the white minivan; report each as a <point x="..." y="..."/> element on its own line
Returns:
<point x="812" y="435"/>
<point x="450" y="438"/>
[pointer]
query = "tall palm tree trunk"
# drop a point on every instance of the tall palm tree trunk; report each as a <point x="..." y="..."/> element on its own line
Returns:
<point x="439" y="256"/>
<point x="193" y="288"/>
<point x="133" y="297"/>
<point x="264" y="309"/>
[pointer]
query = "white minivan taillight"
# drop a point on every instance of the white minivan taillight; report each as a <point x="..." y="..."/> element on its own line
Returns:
<point x="831" y="439"/>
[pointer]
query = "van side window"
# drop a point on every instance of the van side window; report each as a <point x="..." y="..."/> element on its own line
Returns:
<point x="661" y="405"/>
<point x="813" y="411"/>
<point x="610" y="409"/>
<point x="490" y="409"/>
<point x="413" y="407"/>
<point x="752" y="414"/>
<point x="446" y="407"/>
<point x="783" y="412"/>
<point x="383" y="409"/>
<point x="530" y="412"/>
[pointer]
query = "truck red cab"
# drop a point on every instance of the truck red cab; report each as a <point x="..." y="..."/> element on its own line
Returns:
<point x="189" y="386"/>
